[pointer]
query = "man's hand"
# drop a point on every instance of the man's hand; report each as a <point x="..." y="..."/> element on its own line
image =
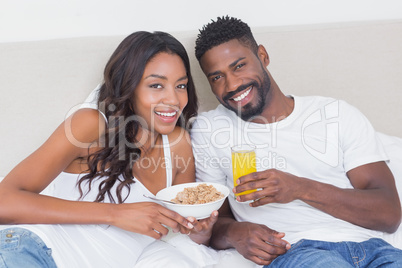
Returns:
<point x="372" y="203"/>
<point x="276" y="187"/>
<point x="257" y="242"/>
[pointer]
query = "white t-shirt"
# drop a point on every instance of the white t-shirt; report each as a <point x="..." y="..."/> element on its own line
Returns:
<point x="321" y="139"/>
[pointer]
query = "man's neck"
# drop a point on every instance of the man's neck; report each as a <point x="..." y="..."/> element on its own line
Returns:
<point x="277" y="107"/>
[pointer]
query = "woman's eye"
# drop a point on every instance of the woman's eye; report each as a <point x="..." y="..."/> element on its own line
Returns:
<point x="182" y="86"/>
<point x="156" y="86"/>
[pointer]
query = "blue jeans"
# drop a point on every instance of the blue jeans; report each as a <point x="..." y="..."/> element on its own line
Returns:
<point x="372" y="253"/>
<point x="22" y="248"/>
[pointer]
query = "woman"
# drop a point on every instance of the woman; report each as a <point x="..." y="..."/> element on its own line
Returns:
<point x="98" y="164"/>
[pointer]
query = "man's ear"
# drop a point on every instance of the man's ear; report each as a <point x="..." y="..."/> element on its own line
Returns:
<point x="263" y="55"/>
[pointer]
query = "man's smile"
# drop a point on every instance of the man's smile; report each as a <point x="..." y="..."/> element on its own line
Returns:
<point x="243" y="95"/>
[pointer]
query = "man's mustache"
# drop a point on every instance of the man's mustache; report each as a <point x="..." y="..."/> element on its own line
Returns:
<point x="239" y="89"/>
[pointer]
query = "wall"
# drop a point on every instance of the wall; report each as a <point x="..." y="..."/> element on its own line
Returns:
<point x="48" y="19"/>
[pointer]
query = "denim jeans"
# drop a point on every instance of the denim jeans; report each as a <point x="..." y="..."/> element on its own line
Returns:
<point x="22" y="248"/>
<point x="372" y="253"/>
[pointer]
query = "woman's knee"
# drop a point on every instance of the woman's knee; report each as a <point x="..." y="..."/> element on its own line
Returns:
<point x="23" y="248"/>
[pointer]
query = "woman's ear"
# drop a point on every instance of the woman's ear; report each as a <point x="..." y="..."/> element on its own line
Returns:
<point x="263" y="55"/>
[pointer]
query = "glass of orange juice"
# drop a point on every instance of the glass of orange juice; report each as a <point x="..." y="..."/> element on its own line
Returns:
<point x="243" y="163"/>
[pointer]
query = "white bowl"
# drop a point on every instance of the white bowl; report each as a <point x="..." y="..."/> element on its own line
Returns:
<point x="198" y="211"/>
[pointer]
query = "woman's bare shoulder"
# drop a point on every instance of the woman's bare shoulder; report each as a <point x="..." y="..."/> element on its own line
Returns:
<point x="85" y="125"/>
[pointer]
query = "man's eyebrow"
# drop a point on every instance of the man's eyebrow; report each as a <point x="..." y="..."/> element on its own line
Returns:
<point x="213" y="73"/>
<point x="233" y="64"/>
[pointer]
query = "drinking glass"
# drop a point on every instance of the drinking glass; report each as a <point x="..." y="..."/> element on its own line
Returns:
<point x="243" y="163"/>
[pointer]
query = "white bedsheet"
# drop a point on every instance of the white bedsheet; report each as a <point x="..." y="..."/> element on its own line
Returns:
<point x="207" y="257"/>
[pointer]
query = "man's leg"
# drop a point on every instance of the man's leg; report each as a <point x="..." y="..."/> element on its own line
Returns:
<point x="378" y="253"/>
<point x="308" y="253"/>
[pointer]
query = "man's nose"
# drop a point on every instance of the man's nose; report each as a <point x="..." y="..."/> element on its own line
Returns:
<point x="233" y="82"/>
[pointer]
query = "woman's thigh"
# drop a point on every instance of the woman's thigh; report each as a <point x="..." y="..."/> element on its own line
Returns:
<point x="22" y="248"/>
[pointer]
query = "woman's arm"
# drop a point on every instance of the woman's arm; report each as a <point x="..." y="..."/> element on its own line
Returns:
<point x="20" y="201"/>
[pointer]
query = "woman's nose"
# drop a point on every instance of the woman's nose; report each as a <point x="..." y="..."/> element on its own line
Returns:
<point x="171" y="98"/>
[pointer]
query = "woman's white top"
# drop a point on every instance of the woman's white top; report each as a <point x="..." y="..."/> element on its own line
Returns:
<point x="96" y="245"/>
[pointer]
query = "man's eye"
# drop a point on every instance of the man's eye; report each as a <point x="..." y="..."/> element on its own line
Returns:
<point x="240" y="65"/>
<point x="216" y="78"/>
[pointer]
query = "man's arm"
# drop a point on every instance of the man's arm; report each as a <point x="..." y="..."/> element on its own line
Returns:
<point x="255" y="242"/>
<point x="373" y="203"/>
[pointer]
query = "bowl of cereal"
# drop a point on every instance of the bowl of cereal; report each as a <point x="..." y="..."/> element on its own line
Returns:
<point x="197" y="199"/>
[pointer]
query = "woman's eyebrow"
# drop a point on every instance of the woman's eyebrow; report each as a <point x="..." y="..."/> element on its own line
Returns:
<point x="164" y="77"/>
<point x="156" y="76"/>
<point x="183" y="78"/>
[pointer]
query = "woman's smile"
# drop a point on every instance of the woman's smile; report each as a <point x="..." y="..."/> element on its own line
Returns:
<point x="167" y="116"/>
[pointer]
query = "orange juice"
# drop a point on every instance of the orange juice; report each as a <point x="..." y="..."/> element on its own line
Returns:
<point x="243" y="163"/>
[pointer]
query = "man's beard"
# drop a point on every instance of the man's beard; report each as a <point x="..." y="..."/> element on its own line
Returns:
<point x="249" y="110"/>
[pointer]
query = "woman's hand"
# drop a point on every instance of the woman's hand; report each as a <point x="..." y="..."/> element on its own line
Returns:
<point x="149" y="218"/>
<point x="202" y="231"/>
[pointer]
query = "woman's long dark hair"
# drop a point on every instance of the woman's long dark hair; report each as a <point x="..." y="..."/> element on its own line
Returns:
<point x="123" y="72"/>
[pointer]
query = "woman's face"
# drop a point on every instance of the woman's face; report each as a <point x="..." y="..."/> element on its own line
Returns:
<point x="161" y="94"/>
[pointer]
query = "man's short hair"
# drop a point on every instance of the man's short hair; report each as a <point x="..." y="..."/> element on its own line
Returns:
<point x="221" y="31"/>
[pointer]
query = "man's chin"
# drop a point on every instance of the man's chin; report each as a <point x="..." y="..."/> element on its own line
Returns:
<point x="246" y="113"/>
<point x="247" y="117"/>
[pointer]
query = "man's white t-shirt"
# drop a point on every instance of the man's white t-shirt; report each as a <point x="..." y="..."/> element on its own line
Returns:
<point x="322" y="139"/>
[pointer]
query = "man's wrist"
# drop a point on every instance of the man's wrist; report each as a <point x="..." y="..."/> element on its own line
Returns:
<point x="222" y="233"/>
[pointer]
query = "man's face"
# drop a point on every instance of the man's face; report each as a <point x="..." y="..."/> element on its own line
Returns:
<point x="237" y="77"/>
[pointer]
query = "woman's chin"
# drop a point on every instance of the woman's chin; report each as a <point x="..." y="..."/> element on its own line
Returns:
<point x="164" y="130"/>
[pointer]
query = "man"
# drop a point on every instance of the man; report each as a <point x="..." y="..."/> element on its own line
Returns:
<point x="321" y="172"/>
